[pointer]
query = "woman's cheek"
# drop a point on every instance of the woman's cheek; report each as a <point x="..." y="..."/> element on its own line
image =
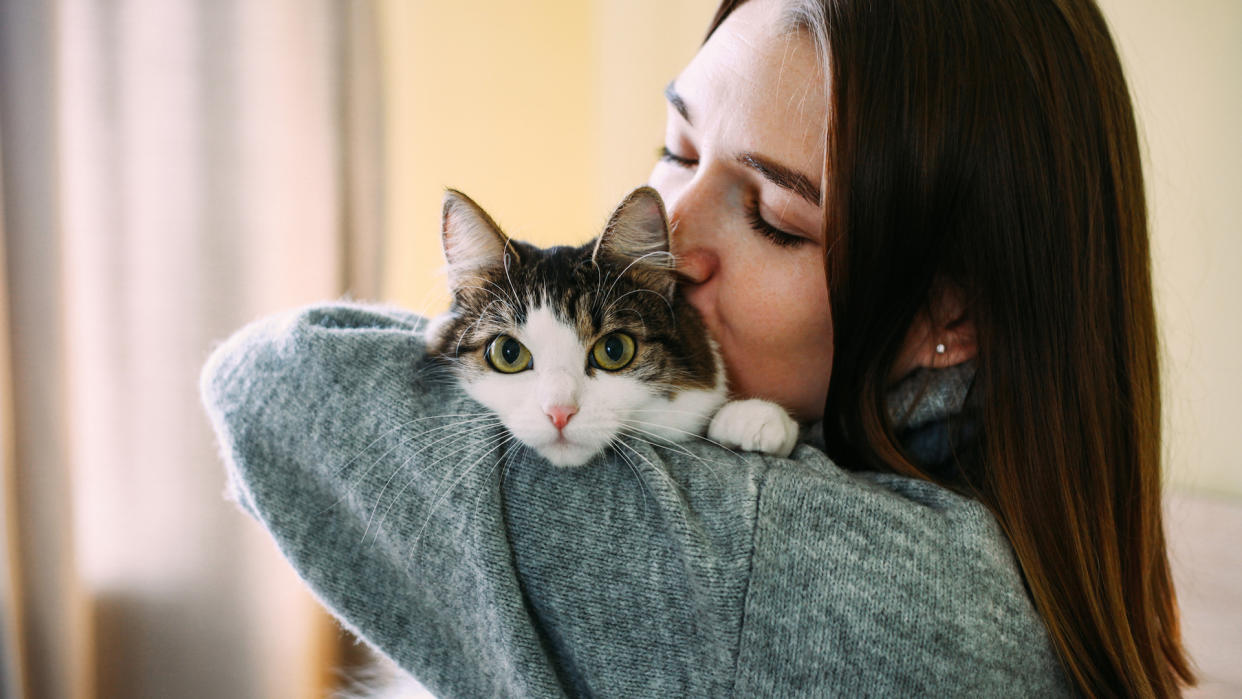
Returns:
<point x="797" y="306"/>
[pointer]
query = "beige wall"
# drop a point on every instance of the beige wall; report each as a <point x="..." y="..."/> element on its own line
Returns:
<point x="546" y="112"/>
<point x="1184" y="59"/>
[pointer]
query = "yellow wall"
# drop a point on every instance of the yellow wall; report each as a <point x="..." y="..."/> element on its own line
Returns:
<point x="546" y="112"/>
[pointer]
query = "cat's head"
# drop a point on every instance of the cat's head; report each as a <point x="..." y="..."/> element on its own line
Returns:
<point x="573" y="347"/>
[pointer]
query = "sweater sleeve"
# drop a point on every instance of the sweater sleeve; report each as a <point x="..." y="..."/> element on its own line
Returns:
<point x="476" y="566"/>
<point x="652" y="571"/>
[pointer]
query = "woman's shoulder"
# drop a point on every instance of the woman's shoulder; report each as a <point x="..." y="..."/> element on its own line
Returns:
<point x="889" y="520"/>
<point x="882" y="505"/>
<point x="880" y="584"/>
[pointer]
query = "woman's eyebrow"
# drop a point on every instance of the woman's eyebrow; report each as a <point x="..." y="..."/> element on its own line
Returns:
<point x="670" y="94"/>
<point x="782" y="176"/>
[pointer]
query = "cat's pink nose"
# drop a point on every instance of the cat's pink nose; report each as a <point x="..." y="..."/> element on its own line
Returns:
<point x="560" y="414"/>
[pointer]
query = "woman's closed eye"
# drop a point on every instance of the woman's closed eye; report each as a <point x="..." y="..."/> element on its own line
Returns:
<point x="679" y="160"/>
<point x="774" y="235"/>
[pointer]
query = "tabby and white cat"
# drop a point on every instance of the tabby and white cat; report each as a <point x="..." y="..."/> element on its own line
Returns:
<point x="574" y="348"/>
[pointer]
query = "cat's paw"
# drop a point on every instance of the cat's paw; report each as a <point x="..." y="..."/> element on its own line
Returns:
<point x="754" y="425"/>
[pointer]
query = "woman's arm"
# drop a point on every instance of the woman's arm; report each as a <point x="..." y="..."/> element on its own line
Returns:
<point x="478" y="567"/>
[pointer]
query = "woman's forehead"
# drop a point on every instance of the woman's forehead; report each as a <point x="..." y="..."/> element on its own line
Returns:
<point x="758" y="86"/>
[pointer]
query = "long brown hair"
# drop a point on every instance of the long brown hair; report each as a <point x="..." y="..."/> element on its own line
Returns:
<point x="991" y="145"/>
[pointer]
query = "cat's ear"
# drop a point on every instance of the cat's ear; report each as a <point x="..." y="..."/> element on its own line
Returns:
<point x="473" y="243"/>
<point x="637" y="234"/>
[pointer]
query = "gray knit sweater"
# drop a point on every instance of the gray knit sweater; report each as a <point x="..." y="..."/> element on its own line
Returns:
<point x="691" y="572"/>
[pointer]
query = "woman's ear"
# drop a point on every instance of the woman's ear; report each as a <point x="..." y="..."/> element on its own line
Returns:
<point x="941" y="335"/>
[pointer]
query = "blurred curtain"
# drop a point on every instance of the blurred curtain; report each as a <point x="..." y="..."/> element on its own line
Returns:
<point x="171" y="169"/>
<point x="10" y="665"/>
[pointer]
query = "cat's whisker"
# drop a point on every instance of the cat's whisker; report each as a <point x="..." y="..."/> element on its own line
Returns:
<point x="377" y="440"/>
<point x="616" y="442"/>
<point x="440" y="381"/>
<point x="472" y="326"/>
<point x="633" y="262"/>
<point x="513" y="299"/>
<point x="509" y="277"/>
<point x="414" y="477"/>
<point x="518" y="449"/>
<point x="633" y="311"/>
<point x="479" y="419"/>
<point x="521" y="448"/>
<point x="430" y="513"/>
<point x="407" y="423"/>
<point x="599" y="284"/>
<point x="671" y="446"/>
<point x="655" y="469"/>
<point x="640" y="291"/>
<point x="442" y="360"/>
<point x="476" y="423"/>
<point x="380" y="497"/>
<point x="502" y="465"/>
<point x="688" y="433"/>
<point x="667" y="411"/>
<point x="350" y="488"/>
<point x="431" y="368"/>
<point x="499" y="293"/>
<point x="497" y="296"/>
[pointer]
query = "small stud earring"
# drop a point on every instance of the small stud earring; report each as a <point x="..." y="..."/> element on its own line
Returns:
<point x="940" y="348"/>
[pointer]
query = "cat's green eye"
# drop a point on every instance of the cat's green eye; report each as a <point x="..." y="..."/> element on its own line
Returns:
<point x="507" y="355"/>
<point x="613" y="352"/>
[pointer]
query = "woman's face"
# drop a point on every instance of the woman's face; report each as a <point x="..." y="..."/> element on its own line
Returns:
<point x="741" y="175"/>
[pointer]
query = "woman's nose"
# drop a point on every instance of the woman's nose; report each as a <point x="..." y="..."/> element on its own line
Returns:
<point x="691" y="240"/>
<point x="696" y="265"/>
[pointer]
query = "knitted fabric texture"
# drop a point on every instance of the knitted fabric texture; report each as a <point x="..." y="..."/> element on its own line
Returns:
<point x="650" y="572"/>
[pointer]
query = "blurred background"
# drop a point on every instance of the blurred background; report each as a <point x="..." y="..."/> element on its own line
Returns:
<point x="172" y="169"/>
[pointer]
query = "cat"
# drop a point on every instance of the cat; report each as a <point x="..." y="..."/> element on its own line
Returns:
<point x="574" y="348"/>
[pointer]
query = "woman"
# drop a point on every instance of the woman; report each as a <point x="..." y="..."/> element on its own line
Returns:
<point x="956" y="202"/>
